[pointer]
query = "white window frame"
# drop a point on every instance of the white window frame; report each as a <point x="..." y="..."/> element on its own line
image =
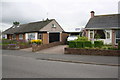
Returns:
<point x="91" y="31"/>
<point x="107" y="31"/>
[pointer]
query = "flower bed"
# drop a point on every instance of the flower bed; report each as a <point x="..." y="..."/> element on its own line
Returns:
<point x="15" y="44"/>
<point x="15" y="47"/>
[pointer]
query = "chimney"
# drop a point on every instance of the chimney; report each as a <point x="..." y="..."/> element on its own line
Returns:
<point x="92" y="14"/>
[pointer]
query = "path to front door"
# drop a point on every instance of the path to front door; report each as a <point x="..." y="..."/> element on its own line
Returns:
<point x="54" y="50"/>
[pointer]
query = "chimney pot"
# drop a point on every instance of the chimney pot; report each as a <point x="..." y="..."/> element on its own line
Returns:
<point x="92" y="14"/>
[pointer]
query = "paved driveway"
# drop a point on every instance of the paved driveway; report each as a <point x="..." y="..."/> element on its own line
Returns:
<point x="54" y="50"/>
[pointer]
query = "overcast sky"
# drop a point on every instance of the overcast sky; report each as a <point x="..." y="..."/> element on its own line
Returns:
<point x="68" y="13"/>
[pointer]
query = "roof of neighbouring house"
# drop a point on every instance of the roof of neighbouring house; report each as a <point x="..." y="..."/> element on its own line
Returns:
<point x="29" y="27"/>
<point x="104" y="21"/>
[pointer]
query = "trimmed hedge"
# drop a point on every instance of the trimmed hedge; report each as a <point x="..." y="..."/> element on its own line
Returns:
<point x="119" y="45"/>
<point x="98" y="44"/>
<point x="72" y="44"/>
<point x="87" y="44"/>
<point x="80" y="44"/>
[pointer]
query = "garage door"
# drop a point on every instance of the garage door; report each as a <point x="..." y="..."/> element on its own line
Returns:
<point x="53" y="37"/>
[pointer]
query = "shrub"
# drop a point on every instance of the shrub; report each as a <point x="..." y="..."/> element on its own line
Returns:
<point x="38" y="41"/>
<point x="98" y="44"/>
<point x="87" y="44"/>
<point x="105" y="47"/>
<point x="119" y="45"/>
<point x="83" y="44"/>
<point x="9" y="42"/>
<point x="82" y="38"/>
<point x="20" y="42"/>
<point x="72" y="44"/>
<point x="97" y="36"/>
<point x="79" y="44"/>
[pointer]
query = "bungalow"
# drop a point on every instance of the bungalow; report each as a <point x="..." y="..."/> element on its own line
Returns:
<point x="47" y="30"/>
<point x="104" y="27"/>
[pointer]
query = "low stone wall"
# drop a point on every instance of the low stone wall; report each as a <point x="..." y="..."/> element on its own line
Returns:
<point x="15" y="47"/>
<point x="25" y="46"/>
<point x="92" y="52"/>
<point x="45" y="46"/>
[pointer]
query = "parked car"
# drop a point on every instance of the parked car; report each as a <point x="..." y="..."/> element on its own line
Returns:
<point x="71" y="38"/>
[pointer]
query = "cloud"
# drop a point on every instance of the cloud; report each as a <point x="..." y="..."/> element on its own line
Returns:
<point x="68" y="13"/>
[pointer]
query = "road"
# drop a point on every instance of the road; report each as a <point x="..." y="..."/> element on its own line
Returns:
<point x="26" y="67"/>
<point x="83" y="58"/>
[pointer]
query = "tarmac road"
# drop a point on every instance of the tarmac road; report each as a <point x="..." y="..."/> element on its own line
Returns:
<point x="27" y="67"/>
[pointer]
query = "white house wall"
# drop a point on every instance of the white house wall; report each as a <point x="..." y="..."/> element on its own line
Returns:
<point x="3" y="36"/>
<point x="26" y="36"/>
<point x="109" y="41"/>
<point x="36" y="36"/>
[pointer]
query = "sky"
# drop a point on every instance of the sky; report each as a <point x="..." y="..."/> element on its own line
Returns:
<point x="70" y="14"/>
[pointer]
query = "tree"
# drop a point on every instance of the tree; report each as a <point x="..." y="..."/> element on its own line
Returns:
<point x="16" y="23"/>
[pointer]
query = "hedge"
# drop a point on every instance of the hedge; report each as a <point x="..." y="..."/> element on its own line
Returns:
<point x="80" y="44"/>
<point x="87" y="44"/>
<point x="72" y="44"/>
<point x="98" y="44"/>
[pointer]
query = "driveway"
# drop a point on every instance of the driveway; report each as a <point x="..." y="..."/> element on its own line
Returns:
<point x="53" y="50"/>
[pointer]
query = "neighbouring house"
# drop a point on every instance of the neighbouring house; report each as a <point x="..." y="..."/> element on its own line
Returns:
<point x="75" y="31"/>
<point x="47" y="30"/>
<point x="104" y="27"/>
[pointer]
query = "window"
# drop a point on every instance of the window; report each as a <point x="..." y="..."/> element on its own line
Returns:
<point x="20" y="36"/>
<point x="108" y="35"/>
<point x="91" y="34"/>
<point x="31" y="36"/>
<point x="100" y="34"/>
<point x="53" y="25"/>
<point x="39" y="36"/>
<point x="117" y="36"/>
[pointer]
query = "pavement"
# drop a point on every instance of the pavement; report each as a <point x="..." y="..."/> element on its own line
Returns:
<point x="56" y="54"/>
